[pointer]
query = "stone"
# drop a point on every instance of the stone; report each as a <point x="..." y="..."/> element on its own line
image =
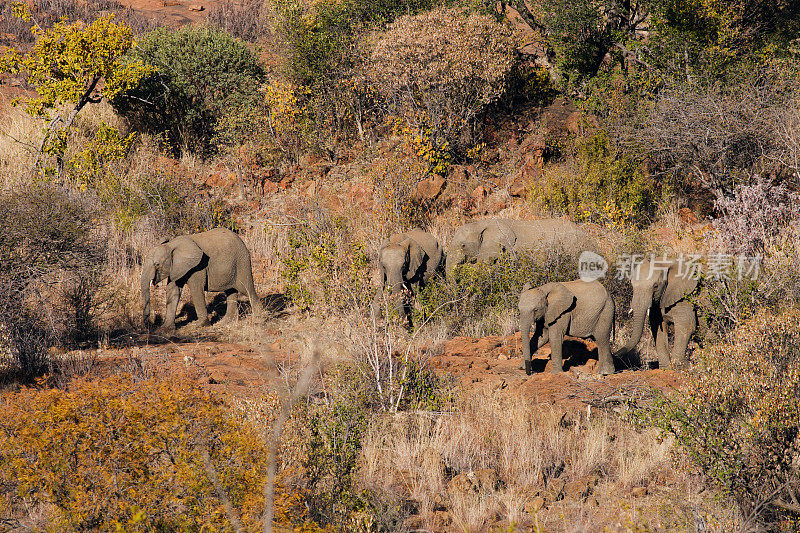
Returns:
<point x="440" y="520"/>
<point x="479" y="193"/>
<point x="534" y="505"/>
<point x="429" y="189"/>
<point x="574" y="123"/>
<point x="486" y="479"/>
<point x="458" y="174"/>
<point x="639" y="492"/>
<point x="688" y="217"/>
<point x="525" y="176"/>
<point x="413" y="523"/>
<point x="577" y="490"/>
<point x="461" y="484"/>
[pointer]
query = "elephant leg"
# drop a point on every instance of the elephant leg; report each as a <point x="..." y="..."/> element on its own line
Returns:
<point x="602" y="336"/>
<point x="173" y="297"/>
<point x="685" y="321"/>
<point x="661" y="338"/>
<point x="556" y="347"/>
<point x="197" y="288"/>
<point x="232" y="310"/>
<point x="541" y="336"/>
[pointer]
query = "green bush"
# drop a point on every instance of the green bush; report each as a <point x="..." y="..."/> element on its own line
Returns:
<point x="326" y="270"/>
<point x="321" y="36"/>
<point x="739" y="419"/>
<point x="202" y="74"/>
<point x="481" y="292"/>
<point x="599" y="183"/>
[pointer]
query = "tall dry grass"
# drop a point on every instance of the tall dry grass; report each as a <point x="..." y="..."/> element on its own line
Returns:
<point x="580" y="465"/>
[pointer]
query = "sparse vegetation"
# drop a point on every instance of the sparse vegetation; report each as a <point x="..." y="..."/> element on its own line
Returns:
<point x="316" y="130"/>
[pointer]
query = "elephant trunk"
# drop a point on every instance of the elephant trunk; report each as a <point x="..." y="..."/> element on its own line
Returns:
<point x="148" y="274"/>
<point x="454" y="258"/>
<point x="394" y="278"/>
<point x="640" y="307"/>
<point x="525" y="332"/>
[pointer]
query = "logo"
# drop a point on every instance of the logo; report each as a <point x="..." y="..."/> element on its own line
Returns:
<point x="591" y="266"/>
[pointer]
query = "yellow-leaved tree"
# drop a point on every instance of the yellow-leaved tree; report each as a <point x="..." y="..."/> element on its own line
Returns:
<point x="69" y="66"/>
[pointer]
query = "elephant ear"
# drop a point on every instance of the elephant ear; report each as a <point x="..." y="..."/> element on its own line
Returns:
<point x="559" y="301"/>
<point x="678" y="286"/>
<point x="415" y="257"/>
<point x="496" y="238"/>
<point x="186" y="255"/>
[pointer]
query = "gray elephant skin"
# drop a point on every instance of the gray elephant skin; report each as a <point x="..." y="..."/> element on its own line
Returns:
<point x="575" y="308"/>
<point x="407" y="259"/>
<point x="485" y="240"/>
<point x="214" y="261"/>
<point x="660" y="289"/>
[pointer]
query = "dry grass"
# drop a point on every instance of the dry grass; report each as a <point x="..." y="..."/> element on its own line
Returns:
<point x="18" y="134"/>
<point x="582" y="466"/>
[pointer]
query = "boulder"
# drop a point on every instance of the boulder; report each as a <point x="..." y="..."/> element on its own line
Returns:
<point x="534" y="505"/>
<point x="430" y="188"/>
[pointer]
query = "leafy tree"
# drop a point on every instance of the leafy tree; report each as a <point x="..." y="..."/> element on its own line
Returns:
<point x="201" y="74"/>
<point x="321" y="36"/>
<point x="440" y="69"/>
<point x="66" y="66"/>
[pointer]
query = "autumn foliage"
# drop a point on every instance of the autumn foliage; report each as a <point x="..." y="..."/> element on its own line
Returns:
<point x="739" y="420"/>
<point x="118" y="454"/>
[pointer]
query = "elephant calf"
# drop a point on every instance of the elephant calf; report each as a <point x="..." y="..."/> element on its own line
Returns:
<point x="405" y="259"/>
<point x="215" y="261"/>
<point x="576" y="308"/>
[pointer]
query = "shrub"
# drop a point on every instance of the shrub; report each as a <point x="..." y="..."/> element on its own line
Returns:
<point x="479" y="293"/>
<point x="714" y="136"/>
<point x="739" y="420"/>
<point x="202" y="74"/>
<point x="599" y="184"/>
<point x="114" y="454"/>
<point x="754" y="217"/>
<point x="46" y="230"/>
<point x="322" y="36"/>
<point x="331" y="461"/>
<point x="325" y="270"/>
<point x="440" y="69"/>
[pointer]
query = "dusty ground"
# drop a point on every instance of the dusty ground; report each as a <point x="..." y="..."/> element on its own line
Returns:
<point x="490" y="365"/>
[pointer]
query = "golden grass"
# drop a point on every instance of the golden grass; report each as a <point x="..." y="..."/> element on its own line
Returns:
<point x="535" y="451"/>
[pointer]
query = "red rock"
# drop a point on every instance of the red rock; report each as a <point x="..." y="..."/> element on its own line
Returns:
<point x="429" y="189"/>
<point x="479" y="193"/>
<point x="688" y="217"/>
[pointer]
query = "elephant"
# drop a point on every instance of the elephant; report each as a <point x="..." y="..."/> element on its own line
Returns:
<point x="214" y="261"/>
<point x="408" y="258"/>
<point x="582" y="309"/>
<point x="661" y="287"/>
<point x="485" y="240"/>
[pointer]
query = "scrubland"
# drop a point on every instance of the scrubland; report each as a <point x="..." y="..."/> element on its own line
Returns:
<point x="317" y="129"/>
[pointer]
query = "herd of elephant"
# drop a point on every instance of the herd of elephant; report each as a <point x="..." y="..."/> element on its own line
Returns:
<point x="218" y="261"/>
